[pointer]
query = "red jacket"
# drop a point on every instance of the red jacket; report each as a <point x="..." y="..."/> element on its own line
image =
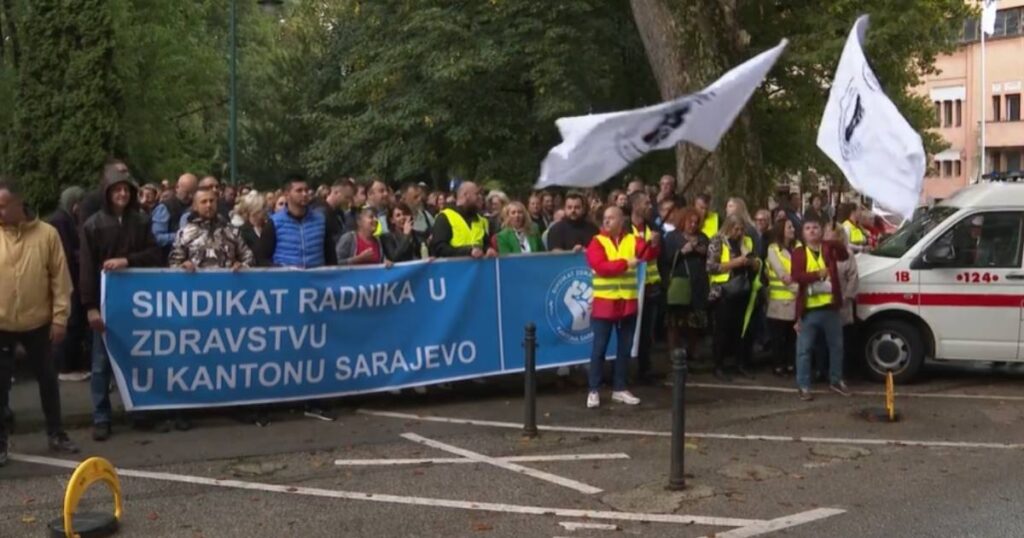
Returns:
<point x="614" y="309"/>
<point x="832" y="252"/>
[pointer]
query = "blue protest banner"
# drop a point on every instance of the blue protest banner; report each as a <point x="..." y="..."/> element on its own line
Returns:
<point x="218" y="338"/>
<point x="554" y="292"/>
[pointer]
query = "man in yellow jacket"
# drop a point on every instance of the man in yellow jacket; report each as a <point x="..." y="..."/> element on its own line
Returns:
<point x="35" y="301"/>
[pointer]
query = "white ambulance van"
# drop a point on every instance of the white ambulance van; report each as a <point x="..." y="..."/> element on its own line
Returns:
<point x="948" y="285"/>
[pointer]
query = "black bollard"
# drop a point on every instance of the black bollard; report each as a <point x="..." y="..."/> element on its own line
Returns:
<point x="530" y="381"/>
<point x="676" y="476"/>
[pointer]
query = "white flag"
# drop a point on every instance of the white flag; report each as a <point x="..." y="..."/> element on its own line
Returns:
<point x="988" y="16"/>
<point x="596" y="147"/>
<point x="865" y="135"/>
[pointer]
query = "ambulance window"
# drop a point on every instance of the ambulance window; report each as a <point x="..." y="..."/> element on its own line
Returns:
<point x="904" y="239"/>
<point x="989" y="240"/>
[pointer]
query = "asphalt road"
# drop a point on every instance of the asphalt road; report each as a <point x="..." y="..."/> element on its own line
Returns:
<point x="757" y="459"/>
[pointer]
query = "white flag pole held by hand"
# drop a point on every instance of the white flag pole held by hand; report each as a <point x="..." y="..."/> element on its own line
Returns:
<point x="880" y="154"/>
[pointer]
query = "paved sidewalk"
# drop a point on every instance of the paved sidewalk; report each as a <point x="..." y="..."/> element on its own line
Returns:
<point x="75" y="400"/>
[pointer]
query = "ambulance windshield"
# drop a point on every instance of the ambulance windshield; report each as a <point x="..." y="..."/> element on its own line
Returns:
<point x="897" y="244"/>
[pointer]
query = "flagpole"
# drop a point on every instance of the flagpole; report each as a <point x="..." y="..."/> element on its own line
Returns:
<point x="982" y="92"/>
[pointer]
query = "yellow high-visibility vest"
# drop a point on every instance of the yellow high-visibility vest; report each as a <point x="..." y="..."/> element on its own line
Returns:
<point x="619" y="287"/>
<point x="722" y="278"/>
<point x="854" y="233"/>
<point x="710" y="224"/>
<point x="463" y="234"/>
<point x="815" y="264"/>
<point x="653" y="276"/>
<point x="777" y="289"/>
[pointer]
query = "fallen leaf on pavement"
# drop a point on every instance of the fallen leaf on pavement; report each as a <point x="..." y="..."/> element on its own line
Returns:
<point x="152" y="516"/>
<point x="482" y="527"/>
<point x="28" y="519"/>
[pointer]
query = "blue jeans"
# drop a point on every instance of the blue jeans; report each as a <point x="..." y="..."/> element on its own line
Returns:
<point x="100" y="382"/>
<point x="826" y="322"/>
<point x="624" y="329"/>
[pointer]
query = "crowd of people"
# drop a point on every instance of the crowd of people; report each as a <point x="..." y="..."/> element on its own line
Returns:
<point x="783" y="279"/>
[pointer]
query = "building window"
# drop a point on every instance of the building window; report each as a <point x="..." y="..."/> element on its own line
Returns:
<point x="1013" y="107"/>
<point x="948" y="109"/>
<point x="970" y="32"/>
<point x="1012" y="161"/>
<point x="996" y="102"/>
<point x="996" y="162"/>
<point x="1013" y="17"/>
<point x="959" y="113"/>
<point x="956" y="169"/>
<point x="947" y="168"/>
<point x="1008" y="22"/>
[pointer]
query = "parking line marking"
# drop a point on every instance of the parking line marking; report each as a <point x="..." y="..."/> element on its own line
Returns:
<point x="577" y="525"/>
<point x="701" y="435"/>
<point x="514" y="459"/>
<point x="937" y="395"/>
<point x="508" y="466"/>
<point x="514" y="425"/>
<point x="608" y="515"/>
<point x="764" y="527"/>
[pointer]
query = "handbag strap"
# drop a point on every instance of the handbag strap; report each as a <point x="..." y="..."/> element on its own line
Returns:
<point x="675" y="259"/>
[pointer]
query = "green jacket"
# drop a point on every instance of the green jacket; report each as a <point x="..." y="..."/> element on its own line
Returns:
<point x="508" y="243"/>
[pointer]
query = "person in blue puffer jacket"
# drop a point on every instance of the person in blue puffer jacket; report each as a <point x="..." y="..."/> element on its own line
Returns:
<point x="297" y="237"/>
<point x="299" y="232"/>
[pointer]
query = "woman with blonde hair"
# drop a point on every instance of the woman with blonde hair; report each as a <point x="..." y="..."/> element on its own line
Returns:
<point x="732" y="265"/>
<point x="251" y="209"/>
<point x="517" y="235"/>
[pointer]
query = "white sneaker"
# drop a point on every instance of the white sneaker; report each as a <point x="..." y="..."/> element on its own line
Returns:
<point x="593" y="400"/>
<point x="626" y="397"/>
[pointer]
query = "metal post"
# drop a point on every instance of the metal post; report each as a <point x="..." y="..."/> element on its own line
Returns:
<point x="233" y="97"/>
<point x="530" y="381"/>
<point x="676" y="478"/>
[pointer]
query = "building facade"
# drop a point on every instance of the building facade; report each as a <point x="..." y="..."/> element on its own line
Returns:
<point x="963" y="103"/>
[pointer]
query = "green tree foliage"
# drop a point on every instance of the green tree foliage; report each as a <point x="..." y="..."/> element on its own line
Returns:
<point x="171" y="60"/>
<point x="442" y="88"/>
<point x="68" y="96"/>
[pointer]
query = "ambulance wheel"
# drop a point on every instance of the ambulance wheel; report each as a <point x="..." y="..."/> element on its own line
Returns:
<point x="893" y="345"/>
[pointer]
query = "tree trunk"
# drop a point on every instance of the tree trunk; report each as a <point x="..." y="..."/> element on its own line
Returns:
<point x="690" y="43"/>
<point x="10" y="32"/>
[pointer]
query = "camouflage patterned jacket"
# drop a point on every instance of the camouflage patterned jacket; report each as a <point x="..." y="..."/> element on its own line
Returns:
<point x="210" y="244"/>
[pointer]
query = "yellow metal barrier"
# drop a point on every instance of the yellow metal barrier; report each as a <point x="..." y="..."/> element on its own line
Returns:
<point x="89" y="472"/>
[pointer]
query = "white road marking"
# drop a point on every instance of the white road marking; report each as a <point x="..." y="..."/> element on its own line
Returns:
<point x="513" y="425"/>
<point x="606" y="515"/>
<point x="508" y="466"/>
<point x="764" y="527"/>
<point x="700" y="435"/>
<point x="936" y="395"/>
<point x="514" y="459"/>
<point x="576" y="525"/>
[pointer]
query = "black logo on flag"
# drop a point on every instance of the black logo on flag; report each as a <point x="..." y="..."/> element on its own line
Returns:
<point x="851" y="117"/>
<point x="632" y="147"/>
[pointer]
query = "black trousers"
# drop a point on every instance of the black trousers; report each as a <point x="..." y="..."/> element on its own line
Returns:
<point x="653" y="308"/>
<point x="783" y="339"/>
<point x="727" y="337"/>
<point x="40" y="359"/>
<point x="72" y="354"/>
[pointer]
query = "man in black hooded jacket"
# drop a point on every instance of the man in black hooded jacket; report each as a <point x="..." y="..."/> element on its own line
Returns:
<point x="117" y="237"/>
